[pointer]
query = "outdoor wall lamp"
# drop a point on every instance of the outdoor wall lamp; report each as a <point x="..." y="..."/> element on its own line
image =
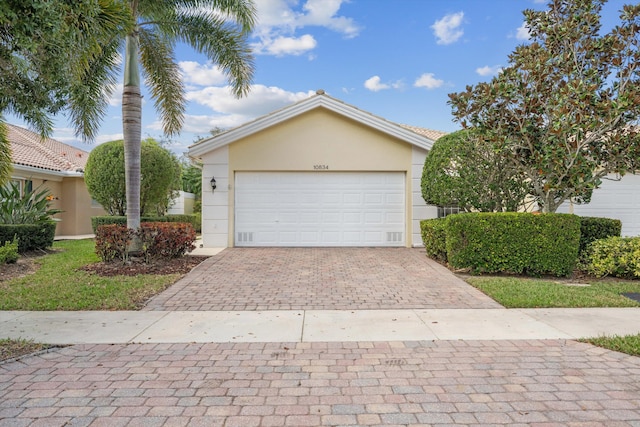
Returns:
<point x="213" y="184"/>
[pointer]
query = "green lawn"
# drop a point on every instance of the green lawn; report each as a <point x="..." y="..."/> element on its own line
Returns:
<point x="518" y="292"/>
<point x="59" y="285"/>
<point x="10" y="349"/>
<point x="629" y="344"/>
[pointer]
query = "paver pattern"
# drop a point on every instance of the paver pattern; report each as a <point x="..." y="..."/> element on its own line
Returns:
<point x="323" y="384"/>
<point x="319" y="279"/>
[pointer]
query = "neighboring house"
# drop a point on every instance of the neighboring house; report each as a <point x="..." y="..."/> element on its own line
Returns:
<point x="47" y="163"/>
<point x="182" y="204"/>
<point x="317" y="173"/>
<point x="616" y="198"/>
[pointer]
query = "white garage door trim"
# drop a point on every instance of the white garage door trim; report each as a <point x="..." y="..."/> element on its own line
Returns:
<point x="320" y="209"/>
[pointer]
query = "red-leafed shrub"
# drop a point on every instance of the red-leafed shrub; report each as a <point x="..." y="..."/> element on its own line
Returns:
<point x="112" y="242"/>
<point x="159" y="240"/>
<point x="166" y="239"/>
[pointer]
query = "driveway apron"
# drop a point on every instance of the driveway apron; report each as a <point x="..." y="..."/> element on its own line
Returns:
<point x="246" y="279"/>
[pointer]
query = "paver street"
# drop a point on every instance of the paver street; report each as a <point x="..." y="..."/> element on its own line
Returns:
<point x="329" y="384"/>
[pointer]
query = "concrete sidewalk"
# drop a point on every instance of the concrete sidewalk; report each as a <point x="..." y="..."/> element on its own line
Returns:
<point x="121" y="327"/>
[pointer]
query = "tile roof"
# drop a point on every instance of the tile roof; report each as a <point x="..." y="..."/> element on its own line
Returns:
<point x="29" y="149"/>
<point x="429" y="133"/>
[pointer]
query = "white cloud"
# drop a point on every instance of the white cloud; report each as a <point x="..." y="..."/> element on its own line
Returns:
<point x="374" y="84"/>
<point x="278" y="21"/>
<point x="522" y="33"/>
<point x="201" y="74"/>
<point x="428" y="81"/>
<point x="281" y="46"/>
<point x="489" y="71"/>
<point x="447" y="29"/>
<point x="108" y="137"/>
<point x="261" y="100"/>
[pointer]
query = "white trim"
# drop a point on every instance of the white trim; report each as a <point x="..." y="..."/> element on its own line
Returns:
<point x="316" y="101"/>
<point x="47" y="173"/>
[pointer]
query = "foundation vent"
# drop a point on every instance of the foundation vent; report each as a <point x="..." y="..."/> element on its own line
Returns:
<point x="394" y="237"/>
<point x="244" y="237"/>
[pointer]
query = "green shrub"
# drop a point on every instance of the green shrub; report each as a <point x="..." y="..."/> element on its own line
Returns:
<point x="434" y="238"/>
<point x="510" y="242"/>
<point x="593" y="228"/>
<point x="159" y="240"/>
<point x="9" y="252"/>
<point x="614" y="256"/>
<point x="97" y="221"/>
<point x="30" y="237"/>
<point x="105" y="176"/>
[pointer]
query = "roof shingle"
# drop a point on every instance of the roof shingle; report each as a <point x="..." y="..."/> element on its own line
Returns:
<point x="29" y="149"/>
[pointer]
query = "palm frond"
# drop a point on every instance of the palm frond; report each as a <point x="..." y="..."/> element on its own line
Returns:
<point x="89" y="98"/>
<point x="220" y="41"/>
<point x="162" y="75"/>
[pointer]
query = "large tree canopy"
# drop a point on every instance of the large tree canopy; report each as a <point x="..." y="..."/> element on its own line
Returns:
<point x="463" y="169"/>
<point x="565" y="112"/>
<point x="53" y="56"/>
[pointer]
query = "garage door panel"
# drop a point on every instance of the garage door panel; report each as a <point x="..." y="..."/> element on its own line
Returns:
<point x="319" y="209"/>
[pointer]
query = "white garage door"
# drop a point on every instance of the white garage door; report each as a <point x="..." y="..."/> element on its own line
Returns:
<point x="319" y="209"/>
<point x="614" y="199"/>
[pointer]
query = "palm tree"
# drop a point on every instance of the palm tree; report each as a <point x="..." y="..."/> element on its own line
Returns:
<point x="216" y="28"/>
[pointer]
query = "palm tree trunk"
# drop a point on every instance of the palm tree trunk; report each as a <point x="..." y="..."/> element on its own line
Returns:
<point x="132" y="129"/>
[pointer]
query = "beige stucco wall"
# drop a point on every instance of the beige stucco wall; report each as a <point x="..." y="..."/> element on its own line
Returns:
<point x="319" y="137"/>
<point x="70" y="194"/>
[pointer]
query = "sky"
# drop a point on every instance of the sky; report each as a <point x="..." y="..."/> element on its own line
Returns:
<point x="397" y="59"/>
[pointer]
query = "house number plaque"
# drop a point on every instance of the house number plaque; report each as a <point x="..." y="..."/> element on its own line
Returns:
<point x="321" y="167"/>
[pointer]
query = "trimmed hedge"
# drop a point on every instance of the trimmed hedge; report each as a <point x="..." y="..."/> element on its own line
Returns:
<point x="434" y="238"/>
<point x="192" y="219"/>
<point x="614" y="256"/>
<point x="510" y="242"/>
<point x="593" y="228"/>
<point x="31" y="237"/>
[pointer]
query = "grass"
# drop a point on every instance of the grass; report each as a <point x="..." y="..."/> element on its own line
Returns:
<point x="59" y="285"/>
<point x="10" y="348"/>
<point x="629" y="344"/>
<point x="517" y="292"/>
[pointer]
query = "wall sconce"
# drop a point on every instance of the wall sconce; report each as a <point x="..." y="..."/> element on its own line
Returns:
<point x="213" y="184"/>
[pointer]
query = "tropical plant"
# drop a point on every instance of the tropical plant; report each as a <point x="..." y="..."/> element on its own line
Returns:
<point x="105" y="176"/>
<point x="565" y="111"/>
<point x="25" y="207"/>
<point x="57" y="55"/>
<point x="216" y="28"/>
<point x="463" y="169"/>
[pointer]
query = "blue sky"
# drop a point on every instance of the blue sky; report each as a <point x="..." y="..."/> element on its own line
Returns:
<point x="394" y="58"/>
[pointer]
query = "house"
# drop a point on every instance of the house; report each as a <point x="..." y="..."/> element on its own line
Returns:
<point x="316" y="173"/>
<point x="59" y="167"/>
<point x="617" y="197"/>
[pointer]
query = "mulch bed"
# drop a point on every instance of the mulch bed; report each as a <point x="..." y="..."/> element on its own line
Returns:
<point x="137" y="266"/>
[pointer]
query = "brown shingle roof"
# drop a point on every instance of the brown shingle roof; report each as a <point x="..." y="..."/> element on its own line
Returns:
<point x="429" y="133"/>
<point x="29" y="149"/>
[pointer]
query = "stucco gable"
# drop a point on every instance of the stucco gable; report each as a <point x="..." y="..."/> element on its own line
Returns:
<point x="320" y="100"/>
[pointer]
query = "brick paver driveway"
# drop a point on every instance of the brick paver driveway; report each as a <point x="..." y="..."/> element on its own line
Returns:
<point x="550" y="383"/>
<point x="319" y="279"/>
